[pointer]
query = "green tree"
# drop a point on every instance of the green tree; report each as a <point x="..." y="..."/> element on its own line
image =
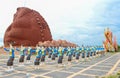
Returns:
<point x="119" y="48"/>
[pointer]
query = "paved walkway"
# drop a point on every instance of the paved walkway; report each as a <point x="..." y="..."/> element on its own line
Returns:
<point x="105" y="65"/>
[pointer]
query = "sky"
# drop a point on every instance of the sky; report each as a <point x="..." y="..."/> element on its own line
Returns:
<point x="78" y="21"/>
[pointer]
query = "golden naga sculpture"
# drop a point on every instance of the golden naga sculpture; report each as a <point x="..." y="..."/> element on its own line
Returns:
<point x="109" y="45"/>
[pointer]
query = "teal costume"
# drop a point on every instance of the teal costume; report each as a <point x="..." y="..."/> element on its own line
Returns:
<point x="12" y="55"/>
<point x="43" y="54"/>
<point x="38" y="57"/>
<point x="60" y="54"/>
<point x="22" y="54"/>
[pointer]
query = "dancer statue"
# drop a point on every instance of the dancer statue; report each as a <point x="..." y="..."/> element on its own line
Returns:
<point x="11" y="51"/>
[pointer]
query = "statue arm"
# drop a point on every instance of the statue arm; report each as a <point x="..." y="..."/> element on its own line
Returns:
<point x="32" y="50"/>
<point x="17" y="49"/>
<point x="7" y="50"/>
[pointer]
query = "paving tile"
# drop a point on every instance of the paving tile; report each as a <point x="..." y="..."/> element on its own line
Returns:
<point x="39" y="77"/>
<point x="83" y="76"/>
<point x="38" y="72"/>
<point x="101" y="68"/>
<point x="81" y="66"/>
<point x="73" y="69"/>
<point x="95" y="72"/>
<point x="58" y="74"/>
<point x="17" y="75"/>
<point x="106" y="64"/>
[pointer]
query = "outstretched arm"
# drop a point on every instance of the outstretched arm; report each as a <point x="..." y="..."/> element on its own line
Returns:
<point x="32" y="51"/>
<point x="17" y="49"/>
<point x="7" y="50"/>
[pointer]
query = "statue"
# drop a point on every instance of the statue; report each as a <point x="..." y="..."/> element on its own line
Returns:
<point x="108" y="44"/>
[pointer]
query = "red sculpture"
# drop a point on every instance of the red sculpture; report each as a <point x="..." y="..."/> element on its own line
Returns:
<point x="28" y="28"/>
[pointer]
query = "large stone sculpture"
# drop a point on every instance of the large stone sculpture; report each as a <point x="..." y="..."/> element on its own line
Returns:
<point x="28" y="28"/>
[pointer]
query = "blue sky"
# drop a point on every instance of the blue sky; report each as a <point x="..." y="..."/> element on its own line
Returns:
<point x="78" y="21"/>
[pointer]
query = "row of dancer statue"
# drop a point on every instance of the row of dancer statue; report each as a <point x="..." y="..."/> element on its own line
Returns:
<point x="51" y="52"/>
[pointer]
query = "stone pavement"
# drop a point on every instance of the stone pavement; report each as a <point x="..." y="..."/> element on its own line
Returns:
<point x="104" y="65"/>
